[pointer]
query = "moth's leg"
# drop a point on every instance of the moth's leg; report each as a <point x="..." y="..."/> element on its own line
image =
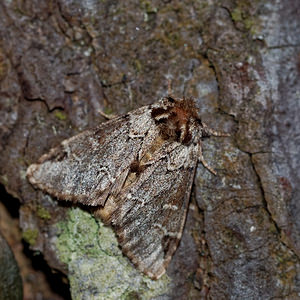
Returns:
<point x="203" y="161"/>
<point x="106" y="116"/>
<point x="214" y="132"/>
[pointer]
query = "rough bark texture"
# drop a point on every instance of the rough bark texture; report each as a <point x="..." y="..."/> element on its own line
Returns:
<point x="62" y="61"/>
<point x="10" y="279"/>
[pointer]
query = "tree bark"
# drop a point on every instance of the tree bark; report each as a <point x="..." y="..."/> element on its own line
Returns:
<point x="63" y="61"/>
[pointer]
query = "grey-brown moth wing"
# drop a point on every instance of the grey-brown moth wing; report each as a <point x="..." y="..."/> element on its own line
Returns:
<point x="149" y="215"/>
<point x="88" y="166"/>
<point x="140" y="169"/>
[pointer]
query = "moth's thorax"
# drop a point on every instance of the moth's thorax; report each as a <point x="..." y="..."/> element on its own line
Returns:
<point x="177" y="120"/>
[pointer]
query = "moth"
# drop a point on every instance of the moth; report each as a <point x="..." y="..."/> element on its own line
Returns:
<point x="138" y="171"/>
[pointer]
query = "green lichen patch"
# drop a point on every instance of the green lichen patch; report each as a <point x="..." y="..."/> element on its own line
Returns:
<point x="60" y="115"/>
<point x="30" y="236"/>
<point x="4" y="179"/>
<point x="244" y="15"/>
<point x="237" y="15"/>
<point x="43" y="213"/>
<point x="148" y="7"/>
<point x="97" y="268"/>
<point x="108" y="111"/>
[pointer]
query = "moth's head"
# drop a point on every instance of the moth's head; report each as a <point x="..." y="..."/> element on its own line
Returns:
<point x="178" y="120"/>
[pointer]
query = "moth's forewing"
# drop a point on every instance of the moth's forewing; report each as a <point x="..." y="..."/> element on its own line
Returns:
<point x="149" y="214"/>
<point x="86" y="167"/>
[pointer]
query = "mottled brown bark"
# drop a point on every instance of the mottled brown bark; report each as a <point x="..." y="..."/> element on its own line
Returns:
<point x="62" y="61"/>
